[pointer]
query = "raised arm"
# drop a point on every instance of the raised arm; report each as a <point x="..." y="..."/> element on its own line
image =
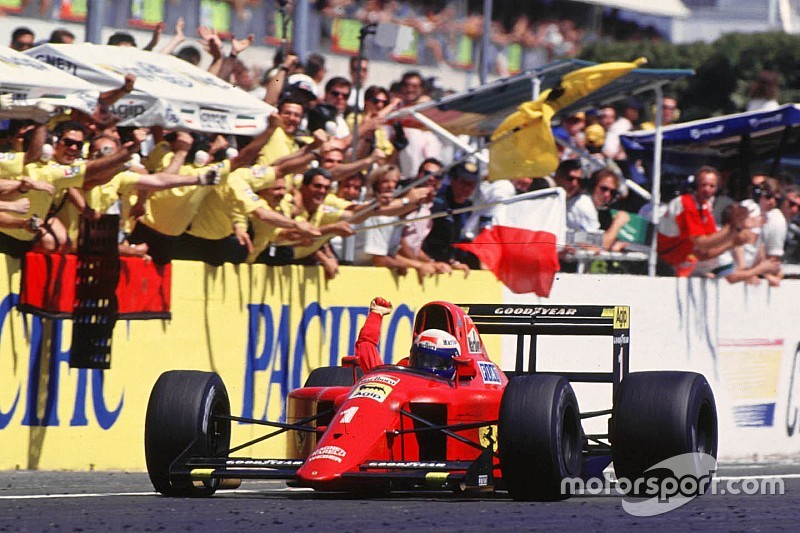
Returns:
<point x="366" y="348"/>
<point x="177" y="39"/>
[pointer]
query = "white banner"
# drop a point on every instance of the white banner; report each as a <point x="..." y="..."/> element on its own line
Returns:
<point x="32" y="89"/>
<point x="168" y="92"/>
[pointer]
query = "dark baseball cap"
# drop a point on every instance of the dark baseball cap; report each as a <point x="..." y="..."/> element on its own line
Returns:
<point x="632" y="102"/>
<point x="467" y="171"/>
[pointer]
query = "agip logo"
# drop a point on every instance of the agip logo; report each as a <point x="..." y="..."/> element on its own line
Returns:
<point x="622" y="317"/>
<point x="372" y="390"/>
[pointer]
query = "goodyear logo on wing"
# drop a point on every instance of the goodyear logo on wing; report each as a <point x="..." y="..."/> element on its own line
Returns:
<point x="549" y="311"/>
<point x="373" y="390"/>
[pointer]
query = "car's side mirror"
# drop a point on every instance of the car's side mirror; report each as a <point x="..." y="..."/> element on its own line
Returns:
<point x="465" y="368"/>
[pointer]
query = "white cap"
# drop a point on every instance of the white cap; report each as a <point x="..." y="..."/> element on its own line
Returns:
<point x="303" y="81"/>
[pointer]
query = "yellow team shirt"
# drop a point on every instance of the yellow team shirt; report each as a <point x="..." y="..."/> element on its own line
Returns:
<point x="170" y="211"/>
<point x="11" y="164"/>
<point x="334" y="201"/>
<point x="265" y="233"/>
<point x="157" y="159"/>
<point x="321" y="217"/>
<point x="258" y="176"/>
<point x="226" y="205"/>
<point x="60" y="176"/>
<point x="100" y="198"/>
<point x="280" y="144"/>
<point x="381" y="139"/>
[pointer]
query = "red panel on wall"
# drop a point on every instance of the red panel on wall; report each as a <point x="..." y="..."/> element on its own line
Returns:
<point x="48" y="286"/>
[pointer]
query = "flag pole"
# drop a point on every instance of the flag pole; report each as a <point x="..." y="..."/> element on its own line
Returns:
<point x="518" y="198"/>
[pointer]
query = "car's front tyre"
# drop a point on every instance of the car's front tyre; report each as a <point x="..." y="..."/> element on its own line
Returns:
<point x="183" y="421"/>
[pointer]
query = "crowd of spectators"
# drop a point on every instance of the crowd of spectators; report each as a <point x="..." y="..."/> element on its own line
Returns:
<point x="431" y="33"/>
<point x="332" y="181"/>
<point x="702" y="229"/>
<point x="448" y="36"/>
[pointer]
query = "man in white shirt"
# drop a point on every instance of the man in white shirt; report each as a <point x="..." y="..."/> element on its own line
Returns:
<point x="581" y="212"/>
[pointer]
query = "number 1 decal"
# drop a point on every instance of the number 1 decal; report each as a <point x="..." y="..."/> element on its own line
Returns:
<point x="348" y="414"/>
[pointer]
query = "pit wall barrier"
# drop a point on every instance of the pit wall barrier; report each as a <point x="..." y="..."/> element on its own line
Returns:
<point x="263" y="329"/>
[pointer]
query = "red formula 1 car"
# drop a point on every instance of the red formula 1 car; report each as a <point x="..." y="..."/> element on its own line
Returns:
<point x="401" y="428"/>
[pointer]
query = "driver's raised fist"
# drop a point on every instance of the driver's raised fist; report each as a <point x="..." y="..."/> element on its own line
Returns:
<point x="379" y="305"/>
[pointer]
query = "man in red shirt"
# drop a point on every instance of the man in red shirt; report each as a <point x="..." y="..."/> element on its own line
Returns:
<point x="688" y="237"/>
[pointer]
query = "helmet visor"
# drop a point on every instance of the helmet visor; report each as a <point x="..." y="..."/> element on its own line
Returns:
<point x="439" y="361"/>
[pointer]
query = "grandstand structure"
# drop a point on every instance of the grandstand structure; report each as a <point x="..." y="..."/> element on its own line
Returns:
<point x="441" y="39"/>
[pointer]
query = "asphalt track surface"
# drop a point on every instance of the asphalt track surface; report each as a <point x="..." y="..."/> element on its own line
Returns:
<point x="118" y="501"/>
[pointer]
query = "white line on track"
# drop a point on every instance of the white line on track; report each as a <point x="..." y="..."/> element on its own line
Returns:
<point x="292" y="489"/>
<point x="110" y="494"/>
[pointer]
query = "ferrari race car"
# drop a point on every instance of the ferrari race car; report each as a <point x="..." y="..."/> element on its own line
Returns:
<point x="401" y="428"/>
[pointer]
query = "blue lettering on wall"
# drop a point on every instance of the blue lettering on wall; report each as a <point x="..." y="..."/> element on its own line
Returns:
<point x="105" y="418"/>
<point x="6" y="305"/>
<point x="336" y="324"/>
<point x="403" y="312"/>
<point x="45" y="400"/>
<point x="311" y="312"/>
<point x="260" y="358"/>
<point x="793" y="400"/>
<point x="35" y="371"/>
<point x="355" y="314"/>
<point x="271" y="355"/>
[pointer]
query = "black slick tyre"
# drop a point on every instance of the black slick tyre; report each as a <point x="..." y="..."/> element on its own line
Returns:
<point x="660" y="415"/>
<point x="540" y="440"/>
<point x="182" y="422"/>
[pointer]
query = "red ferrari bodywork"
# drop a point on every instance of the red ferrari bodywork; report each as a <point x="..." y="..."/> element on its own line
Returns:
<point x="371" y="420"/>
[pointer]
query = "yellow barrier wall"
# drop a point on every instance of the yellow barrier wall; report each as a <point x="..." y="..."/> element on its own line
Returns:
<point x="261" y="328"/>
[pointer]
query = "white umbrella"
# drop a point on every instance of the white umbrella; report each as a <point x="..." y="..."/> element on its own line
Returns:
<point x="168" y="92"/>
<point x="32" y="89"/>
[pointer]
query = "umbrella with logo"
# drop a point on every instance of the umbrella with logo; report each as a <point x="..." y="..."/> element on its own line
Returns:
<point x="168" y="92"/>
<point x="30" y="89"/>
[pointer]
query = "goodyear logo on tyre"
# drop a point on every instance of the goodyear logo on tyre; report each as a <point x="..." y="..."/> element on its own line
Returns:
<point x="372" y="390"/>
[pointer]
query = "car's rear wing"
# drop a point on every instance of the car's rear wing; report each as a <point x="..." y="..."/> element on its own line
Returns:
<point x="533" y="320"/>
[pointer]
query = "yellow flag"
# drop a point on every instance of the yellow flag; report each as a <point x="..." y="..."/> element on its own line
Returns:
<point x="582" y="82"/>
<point x="523" y="145"/>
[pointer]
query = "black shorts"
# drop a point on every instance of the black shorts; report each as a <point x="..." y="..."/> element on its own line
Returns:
<point x="160" y="246"/>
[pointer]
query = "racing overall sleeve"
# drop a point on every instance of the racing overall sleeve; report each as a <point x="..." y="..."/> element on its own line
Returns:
<point x="367" y="342"/>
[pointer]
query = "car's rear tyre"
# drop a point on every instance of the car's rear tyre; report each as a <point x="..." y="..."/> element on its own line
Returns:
<point x="660" y="415"/>
<point x="540" y="439"/>
<point x="182" y="415"/>
<point x="332" y="376"/>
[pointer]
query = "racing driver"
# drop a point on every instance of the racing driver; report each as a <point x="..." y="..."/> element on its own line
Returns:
<point x="432" y="350"/>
